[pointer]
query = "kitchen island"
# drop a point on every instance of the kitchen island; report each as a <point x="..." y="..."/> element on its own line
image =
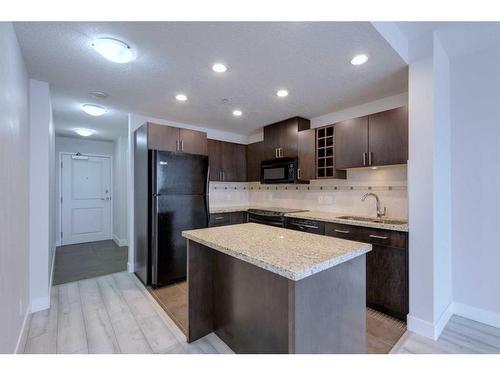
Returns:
<point x="264" y="289"/>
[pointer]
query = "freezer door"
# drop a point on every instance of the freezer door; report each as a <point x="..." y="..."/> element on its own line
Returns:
<point x="175" y="213"/>
<point x="178" y="173"/>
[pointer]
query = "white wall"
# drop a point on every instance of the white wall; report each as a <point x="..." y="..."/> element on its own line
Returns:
<point x="475" y="143"/>
<point x="14" y="191"/>
<point x="120" y="201"/>
<point x="41" y="195"/>
<point x="73" y="145"/>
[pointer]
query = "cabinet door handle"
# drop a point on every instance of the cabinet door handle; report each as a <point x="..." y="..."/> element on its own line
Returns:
<point x="342" y="231"/>
<point x="378" y="237"/>
<point x="182" y="145"/>
<point x="220" y="218"/>
<point x="302" y="226"/>
<point x="223" y="175"/>
<point x="370" y="154"/>
<point x="298" y="173"/>
<point x="364" y="158"/>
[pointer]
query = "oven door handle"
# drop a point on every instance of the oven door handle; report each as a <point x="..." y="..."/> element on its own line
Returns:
<point x="275" y="223"/>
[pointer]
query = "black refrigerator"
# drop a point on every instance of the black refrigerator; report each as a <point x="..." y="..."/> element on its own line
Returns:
<point x="177" y="200"/>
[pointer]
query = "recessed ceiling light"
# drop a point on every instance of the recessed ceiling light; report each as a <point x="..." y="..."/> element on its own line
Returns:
<point x="84" y="132"/>
<point x="282" y="93"/>
<point x="237" y="113"/>
<point x="114" y="50"/>
<point x="359" y="59"/>
<point x="219" y="68"/>
<point x="181" y="97"/>
<point x="94" y="109"/>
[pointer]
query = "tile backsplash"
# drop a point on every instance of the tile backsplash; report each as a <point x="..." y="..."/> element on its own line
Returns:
<point x="340" y="196"/>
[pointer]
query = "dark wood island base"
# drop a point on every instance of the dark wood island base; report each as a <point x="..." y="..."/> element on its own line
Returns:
<point x="254" y="310"/>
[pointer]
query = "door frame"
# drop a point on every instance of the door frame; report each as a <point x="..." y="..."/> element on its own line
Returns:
<point x="58" y="200"/>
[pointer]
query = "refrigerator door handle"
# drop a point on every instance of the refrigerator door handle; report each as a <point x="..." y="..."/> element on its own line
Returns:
<point x="154" y="241"/>
<point x="207" y="189"/>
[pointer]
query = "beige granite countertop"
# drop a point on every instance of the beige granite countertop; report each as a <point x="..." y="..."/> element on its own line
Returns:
<point x="288" y="253"/>
<point x="222" y="210"/>
<point x="332" y="217"/>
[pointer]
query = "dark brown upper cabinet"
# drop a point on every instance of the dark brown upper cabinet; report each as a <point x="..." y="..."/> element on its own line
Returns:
<point x="255" y="155"/>
<point x="169" y="138"/>
<point x="388" y="137"/>
<point x="374" y="140"/>
<point x="281" y="138"/>
<point x="306" y="146"/>
<point x="227" y="161"/>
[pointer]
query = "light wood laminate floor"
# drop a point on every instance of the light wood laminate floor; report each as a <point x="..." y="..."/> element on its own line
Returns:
<point x="460" y="336"/>
<point x="110" y="314"/>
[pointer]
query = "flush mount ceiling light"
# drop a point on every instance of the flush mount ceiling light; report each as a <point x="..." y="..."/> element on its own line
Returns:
<point x="282" y="93"/>
<point x="237" y="113"/>
<point x="84" y="132"/>
<point x="181" y="97"/>
<point x="219" y="68"/>
<point x="94" y="109"/>
<point x="359" y="59"/>
<point x="114" y="50"/>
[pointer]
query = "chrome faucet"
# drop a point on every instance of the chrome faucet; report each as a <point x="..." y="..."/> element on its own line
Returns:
<point x="380" y="213"/>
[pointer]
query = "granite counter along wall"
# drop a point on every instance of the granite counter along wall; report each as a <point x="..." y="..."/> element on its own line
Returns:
<point x="339" y="196"/>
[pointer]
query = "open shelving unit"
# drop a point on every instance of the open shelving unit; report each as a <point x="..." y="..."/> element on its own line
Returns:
<point x="325" y="154"/>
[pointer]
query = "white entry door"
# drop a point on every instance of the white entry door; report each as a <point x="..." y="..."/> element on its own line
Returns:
<point x="86" y="199"/>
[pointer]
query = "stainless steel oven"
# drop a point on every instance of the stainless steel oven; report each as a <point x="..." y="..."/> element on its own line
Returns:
<point x="279" y="171"/>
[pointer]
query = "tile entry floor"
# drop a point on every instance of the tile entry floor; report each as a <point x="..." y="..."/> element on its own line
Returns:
<point x="87" y="260"/>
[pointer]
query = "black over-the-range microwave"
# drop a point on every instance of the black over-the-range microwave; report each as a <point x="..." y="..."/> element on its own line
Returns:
<point x="279" y="171"/>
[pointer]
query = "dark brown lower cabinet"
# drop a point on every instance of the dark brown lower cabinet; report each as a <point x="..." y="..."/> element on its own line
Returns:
<point x="227" y="218"/>
<point x="386" y="266"/>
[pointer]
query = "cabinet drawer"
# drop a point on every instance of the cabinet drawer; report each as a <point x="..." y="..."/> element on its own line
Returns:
<point x="217" y="220"/>
<point x="238" y="217"/>
<point x="368" y="235"/>
<point x="347" y="232"/>
<point x="304" y="225"/>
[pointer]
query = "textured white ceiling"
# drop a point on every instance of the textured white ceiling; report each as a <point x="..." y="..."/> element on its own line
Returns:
<point x="309" y="59"/>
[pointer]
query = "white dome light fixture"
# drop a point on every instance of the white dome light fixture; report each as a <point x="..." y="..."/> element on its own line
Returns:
<point x="219" y="68"/>
<point x="84" y="132"/>
<point x="282" y="93"/>
<point x="359" y="59"/>
<point x="181" y="97"/>
<point x="94" y="109"/>
<point x="237" y="113"/>
<point x="114" y="50"/>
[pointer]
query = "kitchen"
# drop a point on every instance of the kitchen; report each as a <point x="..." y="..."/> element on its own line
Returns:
<point x="292" y="158"/>
<point x="267" y="196"/>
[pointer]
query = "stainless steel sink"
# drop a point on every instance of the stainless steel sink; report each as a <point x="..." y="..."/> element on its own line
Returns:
<point x="374" y="220"/>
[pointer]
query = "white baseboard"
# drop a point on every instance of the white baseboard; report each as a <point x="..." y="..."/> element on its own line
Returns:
<point x="52" y="263"/>
<point x="443" y="320"/>
<point x="433" y="331"/>
<point x="130" y="267"/>
<point x="420" y="327"/>
<point x="120" y="242"/>
<point x="40" y="303"/>
<point x="479" y="315"/>
<point x="23" y="334"/>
